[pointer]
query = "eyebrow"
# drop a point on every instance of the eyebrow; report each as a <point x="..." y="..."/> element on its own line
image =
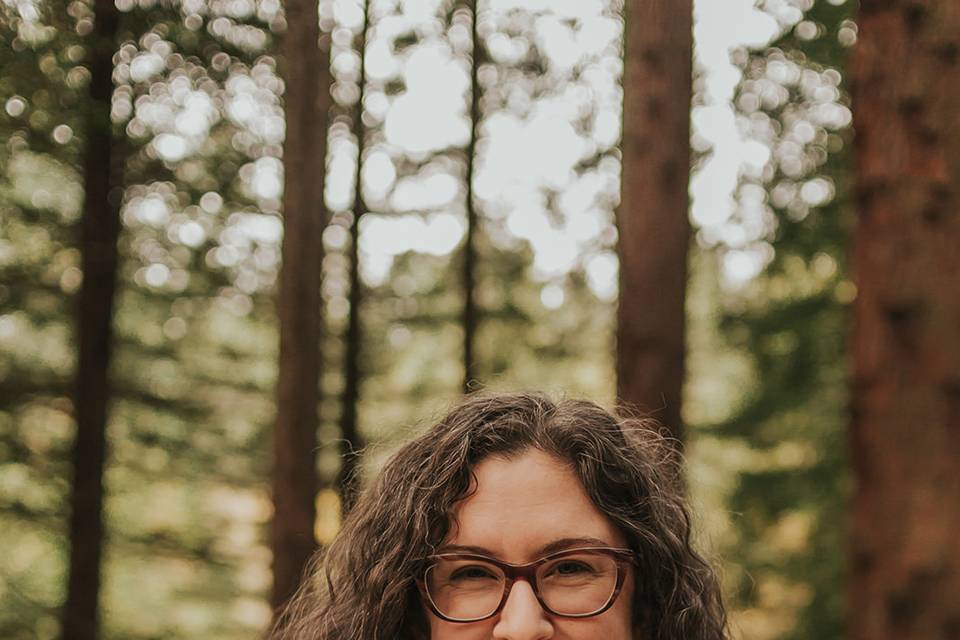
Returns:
<point x="555" y="546"/>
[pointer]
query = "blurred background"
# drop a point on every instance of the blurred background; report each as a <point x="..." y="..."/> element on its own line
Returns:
<point x="194" y="160"/>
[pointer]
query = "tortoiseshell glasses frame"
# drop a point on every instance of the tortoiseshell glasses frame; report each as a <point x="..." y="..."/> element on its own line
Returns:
<point x="510" y="573"/>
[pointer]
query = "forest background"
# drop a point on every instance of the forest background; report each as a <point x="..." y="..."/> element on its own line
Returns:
<point x="484" y="206"/>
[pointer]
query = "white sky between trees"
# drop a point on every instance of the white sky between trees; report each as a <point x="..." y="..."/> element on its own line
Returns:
<point x="524" y="156"/>
<point x="524" y="151"/>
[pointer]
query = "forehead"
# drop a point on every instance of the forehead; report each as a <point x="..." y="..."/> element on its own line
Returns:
<point x="524" y="503"/>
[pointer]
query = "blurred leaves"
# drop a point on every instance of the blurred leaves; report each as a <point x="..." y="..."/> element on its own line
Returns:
<point x="198" y="105"/>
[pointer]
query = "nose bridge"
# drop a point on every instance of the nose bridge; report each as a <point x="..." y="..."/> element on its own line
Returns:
<point x="522" y="617"/>
<point x="526" y="571"/>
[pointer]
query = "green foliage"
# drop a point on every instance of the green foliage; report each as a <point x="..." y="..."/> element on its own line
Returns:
<point x="198" y="109"/>
<point x="194" y="349"/>
<point x="39" y="202"/>
<point x="789" y="503"/>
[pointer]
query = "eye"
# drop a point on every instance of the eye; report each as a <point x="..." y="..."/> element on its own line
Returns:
<point x="569" y="568"/>
<point x="472" y="572"/>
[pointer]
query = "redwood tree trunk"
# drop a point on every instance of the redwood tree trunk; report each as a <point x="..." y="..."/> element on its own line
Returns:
<point x="905" y="431"/>
<point x="99" y="230"/>
<point x="306" y="74"/>
<point x="347" y="480"/>
<point x="470" y="319"/>
<point x="653" y="216"/>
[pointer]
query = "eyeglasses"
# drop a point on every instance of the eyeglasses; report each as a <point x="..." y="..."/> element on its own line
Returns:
<point x="576" y="583"/>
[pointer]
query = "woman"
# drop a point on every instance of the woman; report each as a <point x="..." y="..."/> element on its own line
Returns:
<point x="516" y="518"/>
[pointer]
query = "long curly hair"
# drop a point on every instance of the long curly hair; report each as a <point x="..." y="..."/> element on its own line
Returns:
<point x="362" y="586"/>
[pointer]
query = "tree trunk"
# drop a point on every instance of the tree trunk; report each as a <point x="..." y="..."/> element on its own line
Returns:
<point x="347" y="481"/>
<point x="99" y="231"/>
<point x="306" y="74"/>
<point x="905" y="430"/>
<point x="470" y="319"/>
<point x="653" y="219"/>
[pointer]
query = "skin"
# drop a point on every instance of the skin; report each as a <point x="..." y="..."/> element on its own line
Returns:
<point x="522" y="505"/>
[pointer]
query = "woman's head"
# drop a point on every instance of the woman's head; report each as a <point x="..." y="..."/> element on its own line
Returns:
<point x="514" y="476"/>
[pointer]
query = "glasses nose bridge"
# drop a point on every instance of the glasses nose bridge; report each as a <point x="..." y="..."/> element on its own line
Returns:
<point x="526" y="572"/>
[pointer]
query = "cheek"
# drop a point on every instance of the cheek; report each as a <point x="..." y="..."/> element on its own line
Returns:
<point x="615" y="624"/>
<point x="441" y="630"/>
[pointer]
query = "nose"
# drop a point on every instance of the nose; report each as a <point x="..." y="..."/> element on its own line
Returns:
<point x="522" y="617"/>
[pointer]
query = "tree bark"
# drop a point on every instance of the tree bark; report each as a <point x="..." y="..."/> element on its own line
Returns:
<point x="905" y="429"/>
<point x="99" y="231"/>
<point x="652" y="218"/>
<point x="470" y="312"/>
<point x="347" y="481"/>
<point x="306" y="74"/>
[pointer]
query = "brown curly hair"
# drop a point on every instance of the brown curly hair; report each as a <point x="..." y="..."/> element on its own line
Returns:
<point x="362" y="587"/>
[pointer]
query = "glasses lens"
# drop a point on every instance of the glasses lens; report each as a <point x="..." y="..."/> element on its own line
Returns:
<point x="578" y="584"/>
<point x="464" y="589"/>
